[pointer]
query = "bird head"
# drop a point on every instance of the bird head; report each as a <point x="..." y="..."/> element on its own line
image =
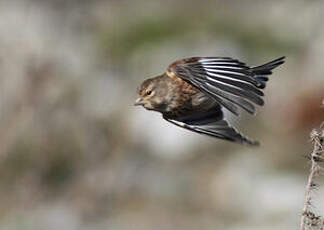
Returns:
<point x="151" y="94"/>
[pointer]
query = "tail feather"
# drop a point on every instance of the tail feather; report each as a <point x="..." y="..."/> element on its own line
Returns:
<point x="261" y="72"/>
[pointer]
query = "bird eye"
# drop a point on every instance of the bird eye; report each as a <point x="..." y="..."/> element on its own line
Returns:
<point x="149" y="92"/>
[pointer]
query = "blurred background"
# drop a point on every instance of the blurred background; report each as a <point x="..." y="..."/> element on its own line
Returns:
<point x="76" y="154"/>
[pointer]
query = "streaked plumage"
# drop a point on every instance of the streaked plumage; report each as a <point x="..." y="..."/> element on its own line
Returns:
<point x="194" y="92"/>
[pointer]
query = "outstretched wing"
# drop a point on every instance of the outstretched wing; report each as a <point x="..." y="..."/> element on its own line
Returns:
<point x="228" y="81"/>
<point x="211" y="123"/>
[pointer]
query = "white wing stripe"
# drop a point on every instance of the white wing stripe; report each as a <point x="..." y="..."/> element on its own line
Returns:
<point x="226" y="77"/>
<point x="222" y="66"/>
<point x="223" y="83"/>
<point x="224" y="71"/>
<point x="216" y="60"/>
<point x="221" y="63"/>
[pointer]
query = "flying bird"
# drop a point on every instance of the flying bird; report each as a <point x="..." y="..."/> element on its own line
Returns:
<point x="195" y="93"/>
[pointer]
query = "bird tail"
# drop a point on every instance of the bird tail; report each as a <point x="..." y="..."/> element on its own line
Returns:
<point x="261" y="72"/>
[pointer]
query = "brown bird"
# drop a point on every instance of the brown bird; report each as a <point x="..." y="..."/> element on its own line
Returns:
<point x="194" y="93"/>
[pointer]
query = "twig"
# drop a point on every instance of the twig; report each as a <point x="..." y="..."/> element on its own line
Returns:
<point x="308" y="218"/>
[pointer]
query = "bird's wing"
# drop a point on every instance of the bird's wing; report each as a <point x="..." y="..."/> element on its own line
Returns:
<point x="211" y="123"/>
<point x="230" y="82"/>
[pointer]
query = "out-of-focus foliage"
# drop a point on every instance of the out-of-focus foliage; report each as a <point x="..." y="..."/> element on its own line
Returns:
<point x="75" y="153"/>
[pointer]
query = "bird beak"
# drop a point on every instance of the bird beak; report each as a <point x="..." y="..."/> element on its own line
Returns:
<point x="139" y="101"/>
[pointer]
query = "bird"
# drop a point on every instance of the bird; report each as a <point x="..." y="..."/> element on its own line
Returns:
<point x="198" y="93"/>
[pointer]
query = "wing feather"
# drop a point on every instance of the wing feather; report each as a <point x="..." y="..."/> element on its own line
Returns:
<point x="230" y="82"/>
<point x="218" y="127"/>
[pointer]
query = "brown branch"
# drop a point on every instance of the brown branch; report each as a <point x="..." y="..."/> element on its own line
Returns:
<point x="308" y="218"/>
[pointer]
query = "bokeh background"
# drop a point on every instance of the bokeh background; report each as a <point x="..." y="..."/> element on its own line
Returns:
<point x="76" y="154"/>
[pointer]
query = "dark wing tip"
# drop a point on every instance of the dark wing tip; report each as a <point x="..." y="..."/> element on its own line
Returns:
<point x="240" y="138"/>
<point x="278" y="61"/>
<point x="251" y="142"/>
<point x="266" y="68"/>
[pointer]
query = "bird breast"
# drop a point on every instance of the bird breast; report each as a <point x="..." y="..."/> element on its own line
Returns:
<point x="185" y="99"/>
